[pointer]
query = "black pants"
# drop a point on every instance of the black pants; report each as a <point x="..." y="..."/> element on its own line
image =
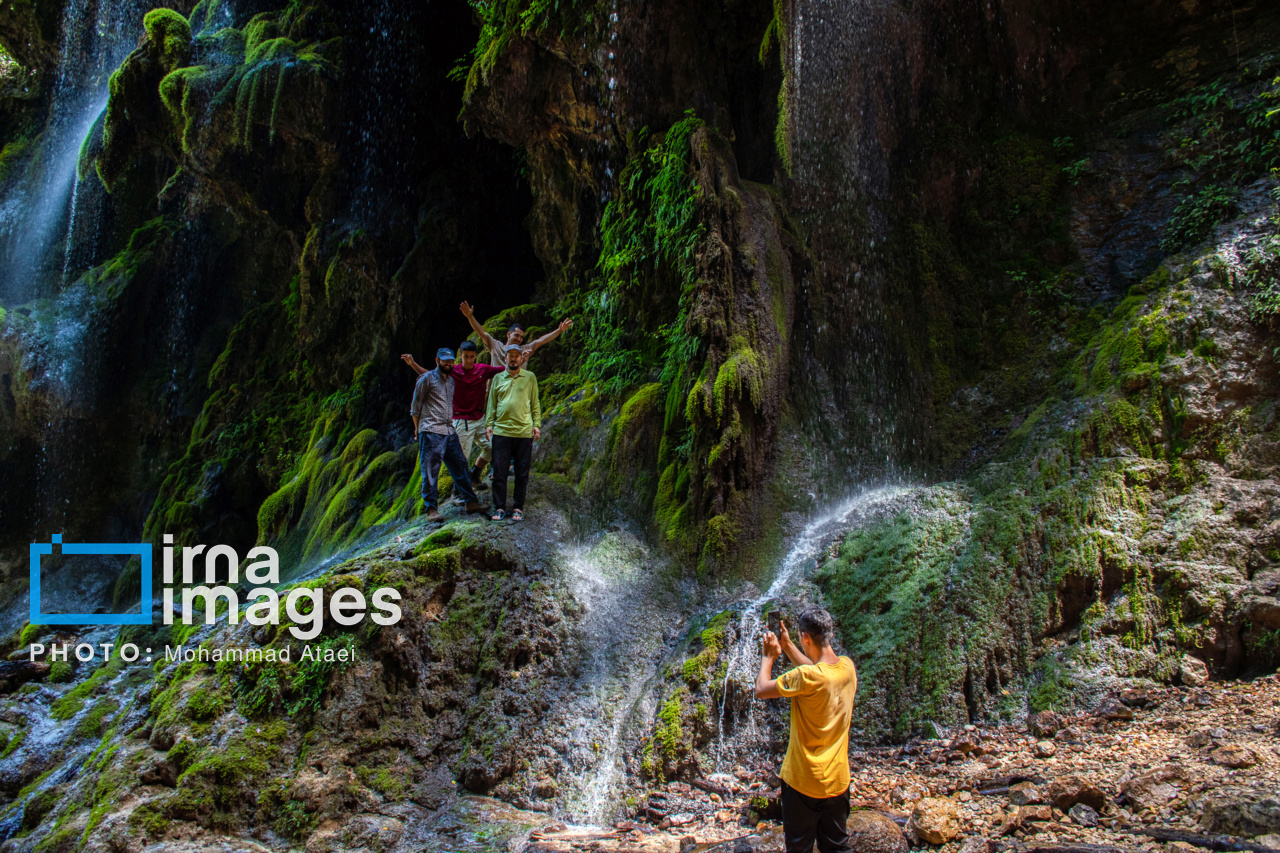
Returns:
<point x="505" y="451"/>
<point x="806" y="819"/>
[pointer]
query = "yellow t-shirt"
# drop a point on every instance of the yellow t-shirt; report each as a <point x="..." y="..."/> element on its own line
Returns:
<point x="817" y="762"/>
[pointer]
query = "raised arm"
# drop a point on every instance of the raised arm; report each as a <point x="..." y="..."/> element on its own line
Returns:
<point x="766" y="684"/>
<point x="792" y="651"/>
<point x="550" y="336"/>
<point x="490" y="342"/>
<point x="413" y="365"/>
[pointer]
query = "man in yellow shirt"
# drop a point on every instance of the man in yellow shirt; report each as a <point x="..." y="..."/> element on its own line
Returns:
<point x="815" y="772"/>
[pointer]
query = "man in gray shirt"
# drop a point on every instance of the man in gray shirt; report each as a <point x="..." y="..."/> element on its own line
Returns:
<point x="432" y="412"/>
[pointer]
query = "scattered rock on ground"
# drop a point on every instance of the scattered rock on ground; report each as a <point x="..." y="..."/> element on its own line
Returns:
<point x="873" y="832"/>
<point x="1234" y="755"/>
<point x="935" y="820"/>
<point x="1244" y="812"/>
<point x="1083" y="815"/>
<point x="1065" y="791"/>
<point x="1193" y="671"/>
<point x="1044" y="724"/>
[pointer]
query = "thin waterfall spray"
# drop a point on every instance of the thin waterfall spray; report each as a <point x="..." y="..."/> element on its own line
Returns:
<point x="628" y="626"/>
<point x="799" y="561"/>
<point x="35" y="234"/>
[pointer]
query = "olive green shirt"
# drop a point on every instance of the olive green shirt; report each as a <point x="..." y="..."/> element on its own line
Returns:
<point x="513" y="410"/>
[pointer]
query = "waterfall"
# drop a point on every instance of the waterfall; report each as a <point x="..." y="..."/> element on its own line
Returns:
<point x="633" y="611"/>
<point x="744" y="654"/>
<point x="40" y="217"/>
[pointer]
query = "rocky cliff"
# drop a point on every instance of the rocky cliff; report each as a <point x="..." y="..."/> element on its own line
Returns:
<point x="1018" y="257"/>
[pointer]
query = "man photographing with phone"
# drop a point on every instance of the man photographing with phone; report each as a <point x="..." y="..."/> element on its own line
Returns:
<point x="815" y="772"/>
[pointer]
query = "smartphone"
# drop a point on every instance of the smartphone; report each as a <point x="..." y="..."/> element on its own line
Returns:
<point x="775" y="621"/>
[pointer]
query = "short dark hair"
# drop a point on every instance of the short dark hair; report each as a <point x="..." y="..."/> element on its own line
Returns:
<point x="817" y="623"/>
<point x="467" y="346"/>
<point x="514" y="327"/>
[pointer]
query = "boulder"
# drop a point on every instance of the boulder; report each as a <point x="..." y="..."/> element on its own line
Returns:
<point x="373" y="832"/>
<point x="873" y="832"/>
<point x="936" y="820"/>
<point x="769" y="841"/>
<point x="1193" y="671"/>
<point x="1030" y="813"/>
<point x="973" y="844"/>
<point x="1153" y="789"/>
<point x="1044" y="724"/>
<point x="1234" y="755"/>
<point x="1112" y="708"/>
<point x="1065" y="791"/>
<point x="1244" y="812"/>
<point x="1083" y="815"/>
<point x="905" y="795"/>
<point x="1025" y="794"/>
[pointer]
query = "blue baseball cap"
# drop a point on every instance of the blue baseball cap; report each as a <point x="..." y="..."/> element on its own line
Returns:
<point x="445" y="354"/>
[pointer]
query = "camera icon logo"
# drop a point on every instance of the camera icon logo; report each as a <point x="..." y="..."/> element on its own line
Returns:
<point x="139" y="549"/>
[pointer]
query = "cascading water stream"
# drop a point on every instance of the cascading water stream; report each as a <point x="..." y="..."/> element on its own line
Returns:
<point x="37" y="230"/>
<point x="633" y="610"/>
<point x="743" y="655"/>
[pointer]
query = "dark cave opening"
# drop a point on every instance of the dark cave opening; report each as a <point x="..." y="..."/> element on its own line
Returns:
<point x="448" y="209"/>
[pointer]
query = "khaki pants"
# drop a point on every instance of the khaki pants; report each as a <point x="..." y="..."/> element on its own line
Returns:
<point x="471" y="434"/>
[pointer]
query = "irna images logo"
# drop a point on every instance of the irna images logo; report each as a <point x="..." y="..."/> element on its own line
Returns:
<point x="143" y="617"/>
<point x="346" y="606"/>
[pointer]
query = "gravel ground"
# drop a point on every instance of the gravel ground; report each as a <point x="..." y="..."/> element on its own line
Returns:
<point x="1183" y="762"/>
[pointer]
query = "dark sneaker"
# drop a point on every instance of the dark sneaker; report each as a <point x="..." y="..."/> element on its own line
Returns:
<point x="479" y="485"/>
<point x="476" y="506"/>
<point x="433" y="514"/>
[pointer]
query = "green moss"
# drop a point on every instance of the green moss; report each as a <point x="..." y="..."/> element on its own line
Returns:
<point x="12" y="743"/>
<point x="387" y="781"/>
<point x="331" y="498"/>
<point x="92" y="724"/>
<point x="641" y="405"/>
<point x="171" y="33"/>
<point x="697" y="669"/>
<point x="70" y="704"/>
<point x="741" y="376"/>
<point x="720" y="532"/>
<point x="214" y="788"/>
<point x="150" y="818"/>
<point x="669" y="735"/>
<point x="503" y="22"/>
<point x="1051" y="685"/>
<point x="14" y="153"/>
<point x="647" y="269"/>
<point x="36" y="809"/>
<point x="30" y="633"/>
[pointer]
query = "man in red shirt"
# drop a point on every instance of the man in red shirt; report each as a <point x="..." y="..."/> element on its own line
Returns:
<point x="471" y="384"/>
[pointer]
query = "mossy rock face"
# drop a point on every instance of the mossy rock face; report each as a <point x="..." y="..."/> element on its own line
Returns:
<point x="455" y="690"/>
<point x="694" y="707"/>
<point x="1105" y="542"/>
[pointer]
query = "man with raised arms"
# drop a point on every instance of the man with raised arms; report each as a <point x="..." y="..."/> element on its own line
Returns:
<point x="515" y="336"/>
